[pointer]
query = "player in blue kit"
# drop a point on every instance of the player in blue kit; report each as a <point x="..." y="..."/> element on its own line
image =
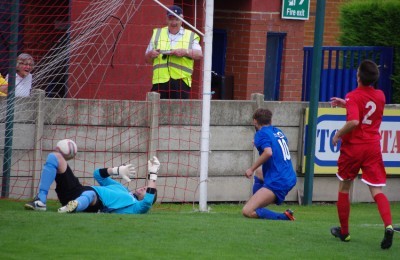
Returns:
<point x="277" y="177"/>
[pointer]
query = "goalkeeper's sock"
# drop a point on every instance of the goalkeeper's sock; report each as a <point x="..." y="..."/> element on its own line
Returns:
<point x="48" y="175"/>
<point x="265" y="213"/>
<point x="343" y="209"/>
<point x="257" y="184"/>
<point x="383" y="208"/>
<point x="84" y="200"/>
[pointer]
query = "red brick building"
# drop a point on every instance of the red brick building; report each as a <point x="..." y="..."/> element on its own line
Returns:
<point x="121" y="72"/>
<point x="248" y="23"/>
<point x="331" y="26"/>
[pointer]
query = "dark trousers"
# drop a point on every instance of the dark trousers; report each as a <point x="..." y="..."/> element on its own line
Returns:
<point x="69" y="188"/>
<point x="173" y="89"/>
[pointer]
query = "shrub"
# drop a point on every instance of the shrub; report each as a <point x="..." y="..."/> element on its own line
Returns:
<point x="373" y="23"/>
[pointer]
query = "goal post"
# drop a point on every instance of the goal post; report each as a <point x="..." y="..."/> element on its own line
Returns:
<point x="206" y="98"/>
<point x="205" y="124"/>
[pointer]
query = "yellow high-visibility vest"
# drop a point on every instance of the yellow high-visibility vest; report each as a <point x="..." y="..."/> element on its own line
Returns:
<point x="3" y="82"/>
<point x="172" y="66"/>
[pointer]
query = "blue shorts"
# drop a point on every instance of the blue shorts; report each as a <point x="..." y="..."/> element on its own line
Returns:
<point x="280" y="194"/>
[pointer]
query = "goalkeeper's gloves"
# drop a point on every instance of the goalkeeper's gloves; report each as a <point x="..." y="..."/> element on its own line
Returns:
<point x="153" y="167"/>
<point x="125" y="171"/>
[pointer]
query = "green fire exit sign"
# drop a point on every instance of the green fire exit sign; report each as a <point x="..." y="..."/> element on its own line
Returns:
<point x="296" y="9"/>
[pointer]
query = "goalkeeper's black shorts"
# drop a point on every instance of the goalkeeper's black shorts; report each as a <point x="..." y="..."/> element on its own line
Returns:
<point x="69" y="188"/>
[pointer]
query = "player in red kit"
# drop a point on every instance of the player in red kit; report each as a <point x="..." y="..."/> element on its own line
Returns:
<point x="361" y="149"/>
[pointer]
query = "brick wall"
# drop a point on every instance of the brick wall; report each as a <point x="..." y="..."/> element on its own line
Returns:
<point x="247" y="24"/>
<point x="40" y="31"/>
<point x="246" y="50"/>
<point x="331" y="26"/>
<point x="130" y="77"/>
<point x="122" y="71"/>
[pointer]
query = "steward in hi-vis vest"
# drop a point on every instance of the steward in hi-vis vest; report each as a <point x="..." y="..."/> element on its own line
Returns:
<point x="170" y="66"/>
<point x="172" y="51"/>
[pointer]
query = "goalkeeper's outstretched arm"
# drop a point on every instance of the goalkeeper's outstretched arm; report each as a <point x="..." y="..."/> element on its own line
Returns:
<point x="153" y="168"/>
<point x="125" y="171"/>
<point x="150" y="196"/>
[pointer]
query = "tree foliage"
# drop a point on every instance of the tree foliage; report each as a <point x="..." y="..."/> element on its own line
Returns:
<point x="373" y="23"/>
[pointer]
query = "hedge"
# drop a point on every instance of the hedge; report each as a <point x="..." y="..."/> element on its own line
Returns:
<point x="373" y="23"/>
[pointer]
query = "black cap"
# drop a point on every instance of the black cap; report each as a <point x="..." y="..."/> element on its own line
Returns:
<point x="174" y="9"/>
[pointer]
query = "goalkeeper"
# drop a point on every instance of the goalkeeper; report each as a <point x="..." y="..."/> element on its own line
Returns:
<point x="69" y="188"/>
<point x="113" y="197"/>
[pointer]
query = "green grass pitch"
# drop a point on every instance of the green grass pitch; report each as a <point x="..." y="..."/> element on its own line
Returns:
<point x="176" y="231"/>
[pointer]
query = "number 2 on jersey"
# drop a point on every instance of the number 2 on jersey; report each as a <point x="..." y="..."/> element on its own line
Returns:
<point x="372" y="107"/>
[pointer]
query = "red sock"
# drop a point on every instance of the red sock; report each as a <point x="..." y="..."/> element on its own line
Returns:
<point x="384" y="208"/>
<point x="343" y="208"/>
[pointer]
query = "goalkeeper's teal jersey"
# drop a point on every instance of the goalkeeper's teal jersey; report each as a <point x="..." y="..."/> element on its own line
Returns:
<point x="116" y="198"/>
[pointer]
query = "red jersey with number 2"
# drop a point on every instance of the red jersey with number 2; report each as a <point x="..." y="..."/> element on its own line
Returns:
<point x="365" y="104"/>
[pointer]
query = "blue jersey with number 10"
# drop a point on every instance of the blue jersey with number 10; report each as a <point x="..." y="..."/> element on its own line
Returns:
<point x="278" y="170"/>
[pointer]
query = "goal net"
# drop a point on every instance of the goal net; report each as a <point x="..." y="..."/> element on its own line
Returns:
<point x="90" y="83"/>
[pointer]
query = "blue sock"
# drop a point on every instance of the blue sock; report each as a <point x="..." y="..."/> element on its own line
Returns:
<point x="264" y="213"/>
<point x="85" y="199"/>
<point x="258" y="184"/>
<point x="47" y="178"/>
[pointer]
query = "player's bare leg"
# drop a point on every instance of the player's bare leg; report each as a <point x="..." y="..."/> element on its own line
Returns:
<point x="256" y="207"/>
<point x="263" y="197"/>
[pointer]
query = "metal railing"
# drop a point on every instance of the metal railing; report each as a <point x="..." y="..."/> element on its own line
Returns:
<point x="339" y="70"/>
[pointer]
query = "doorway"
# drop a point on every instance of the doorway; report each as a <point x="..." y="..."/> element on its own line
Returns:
<point x="273" y="62"/>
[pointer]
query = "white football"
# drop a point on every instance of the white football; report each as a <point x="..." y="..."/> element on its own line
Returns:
<point x="67" y="148"/>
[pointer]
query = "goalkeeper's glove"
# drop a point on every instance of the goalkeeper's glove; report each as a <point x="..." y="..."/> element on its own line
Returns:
<point x="125" y="171"/>
<point x="153" y="167"/>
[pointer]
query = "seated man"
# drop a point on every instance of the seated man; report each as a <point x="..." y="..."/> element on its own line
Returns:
<point x="68" y="187"/>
